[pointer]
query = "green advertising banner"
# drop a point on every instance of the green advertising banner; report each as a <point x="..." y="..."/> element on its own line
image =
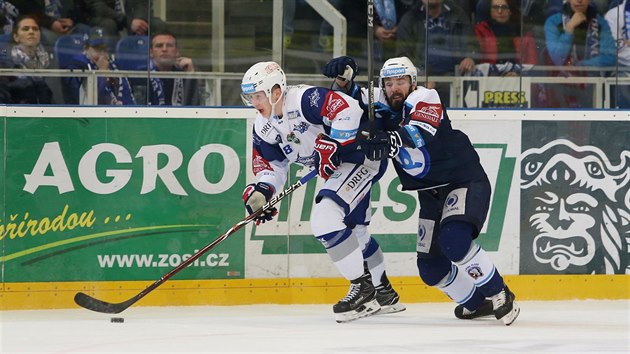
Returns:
<point x="97" y="199"/>
<point x="575" y="197"/>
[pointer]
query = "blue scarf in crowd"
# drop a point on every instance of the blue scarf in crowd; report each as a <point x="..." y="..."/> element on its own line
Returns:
<point x="386" y="11"/>
<point x="591" y="47"/>
<point x="117" y="91"/>
<point x="157" y="85"/>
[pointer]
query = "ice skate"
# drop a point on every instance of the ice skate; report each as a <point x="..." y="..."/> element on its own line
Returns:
<point x="505" y="309"/>
<point x="388" y="298"/>
<point x="360" y="301"/>
<point x="485" y="309"/>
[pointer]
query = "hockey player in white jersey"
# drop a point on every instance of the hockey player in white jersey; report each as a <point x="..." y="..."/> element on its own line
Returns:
<point x="317" y="127"/>
<point x="453" y="190"/>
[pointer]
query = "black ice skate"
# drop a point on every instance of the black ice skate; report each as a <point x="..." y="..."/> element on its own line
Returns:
<point x="485" y="309"/>
<point x="387" y="297"/>
<point x="505" y="309"/>
<point x="360" y="301"/>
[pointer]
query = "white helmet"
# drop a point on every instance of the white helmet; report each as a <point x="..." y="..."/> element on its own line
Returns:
<point x="262" y="76"/>
<point x="398" y="67"/>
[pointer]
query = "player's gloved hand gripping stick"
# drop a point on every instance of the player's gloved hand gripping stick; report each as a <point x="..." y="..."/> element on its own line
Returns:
<point x="90" y="303"/>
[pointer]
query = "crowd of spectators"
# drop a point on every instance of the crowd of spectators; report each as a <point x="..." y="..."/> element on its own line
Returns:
<point x="32" y="30"/>
<point x="442" y="37"/>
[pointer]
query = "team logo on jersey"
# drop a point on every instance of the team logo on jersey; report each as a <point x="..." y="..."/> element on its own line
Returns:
<point x="293" y="114"/>
<point x="302" y="127"/>
<point x="291" y="137"/>
<point x="575" y="202"/>
<point x="259" y="163"/>
<point x="307" y="160"/>
<point x="314" y="98"/>
<point x="430" y="113"/>
<point x="334" y="104"/>
<point x="415" y="162"/>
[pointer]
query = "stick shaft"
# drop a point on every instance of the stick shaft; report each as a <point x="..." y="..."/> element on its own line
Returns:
<point x="94" y="304"/>
<point x="370" y="54"/>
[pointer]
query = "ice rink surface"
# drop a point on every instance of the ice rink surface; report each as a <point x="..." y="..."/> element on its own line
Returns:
<point x="543" y="327"/>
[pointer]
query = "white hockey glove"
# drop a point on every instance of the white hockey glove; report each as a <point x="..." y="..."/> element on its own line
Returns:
<point x="255" y="196"/>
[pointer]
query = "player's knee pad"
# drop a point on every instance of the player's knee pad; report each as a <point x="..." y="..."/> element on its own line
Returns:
<point x="327" y="217"/>
<point x="455" y="239"/>
<point x="432" y="270"/>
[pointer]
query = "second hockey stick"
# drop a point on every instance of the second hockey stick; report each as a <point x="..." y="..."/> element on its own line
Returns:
<point x="370" y="53"/>
<point x="86" y="301"/>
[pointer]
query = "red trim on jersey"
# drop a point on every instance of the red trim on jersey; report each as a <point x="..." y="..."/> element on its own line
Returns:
<point x="334" y="104"/>
<point x="259" y="163"/>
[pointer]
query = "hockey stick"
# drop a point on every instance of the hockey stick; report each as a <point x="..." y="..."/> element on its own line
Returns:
<point x="90" y="303"/>
<point x="370" y="52"/>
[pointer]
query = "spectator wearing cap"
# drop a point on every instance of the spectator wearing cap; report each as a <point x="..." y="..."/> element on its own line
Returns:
<point x="165" y="57"/>
<point x="95" y="56"/>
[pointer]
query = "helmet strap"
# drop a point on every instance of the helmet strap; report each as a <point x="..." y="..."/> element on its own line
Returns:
<point x="273" y="104"/>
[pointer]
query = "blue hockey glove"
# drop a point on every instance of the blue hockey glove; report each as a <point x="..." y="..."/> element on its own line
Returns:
<point x="327" y="148"/>
<point x="255" y="196"/>
<point x="381" y="145"/>
<point x="342" y="67"/>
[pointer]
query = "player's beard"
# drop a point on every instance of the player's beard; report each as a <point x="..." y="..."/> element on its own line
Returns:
<point x="397" y="100"/>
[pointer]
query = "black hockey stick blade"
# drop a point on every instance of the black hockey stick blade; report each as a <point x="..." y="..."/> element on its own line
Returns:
<point x="93" y="304"/>
<point x="86" y="301"/>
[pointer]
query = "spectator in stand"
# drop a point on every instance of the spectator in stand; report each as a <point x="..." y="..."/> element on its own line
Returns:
<point x="29" y="53"/>
<point x="111" y="91"/>
<point x="132" y="16"/>
<point x="57" y="17"/>
<point x="577" y="36"/>
<point x="165" y="57"/>
<point x="500" y="40"/>
<point x="451" y="41"/>
<point x="387" y="15"/>
<point x="602" y="6"/>
<point x="8" y="15"/>
<point x="616" y="18"/>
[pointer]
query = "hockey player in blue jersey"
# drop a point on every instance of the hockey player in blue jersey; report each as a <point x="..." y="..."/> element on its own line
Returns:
<point x="453" y="190"/>
<point x="314" y="127"/>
